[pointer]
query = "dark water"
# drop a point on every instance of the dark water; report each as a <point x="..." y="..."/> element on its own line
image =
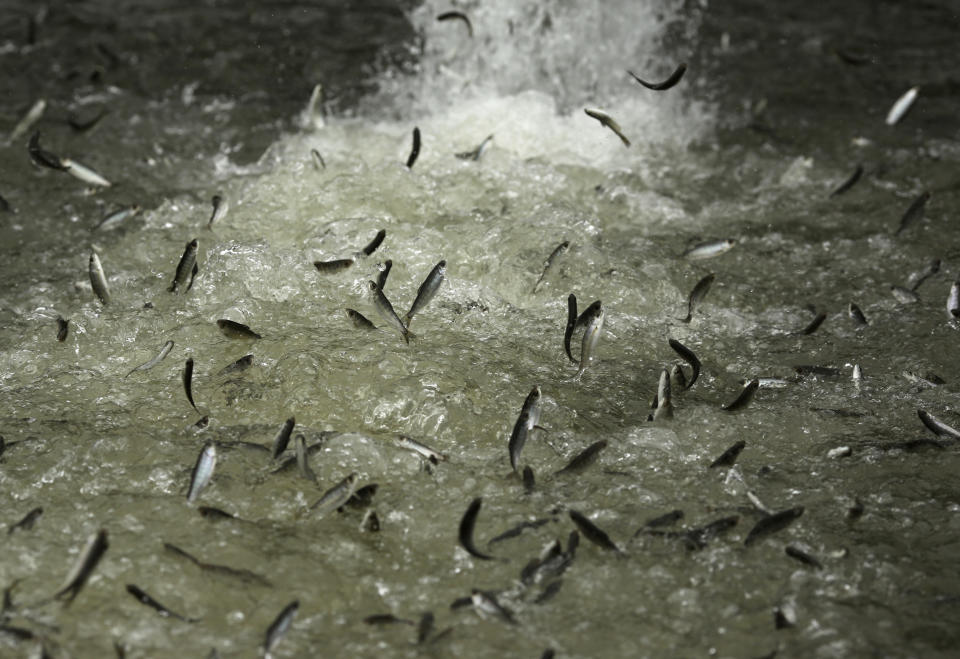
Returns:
<point x="209" y="98"/>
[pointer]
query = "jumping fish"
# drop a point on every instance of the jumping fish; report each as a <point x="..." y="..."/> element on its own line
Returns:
<point x="666" y="84"/>
<point x="936" y="426"/>
<point x="332" y="267"/>
<point x="772" y="524"/>
<point x="849" y="183"/>
<point x="428" y="289"/>
<point x="664" y="407"/>
<point x="283" y="438"/>
<point x="202" y="471"/>
<point x="145" y="599"/>
<point x="375" y="243"/>
<point x="856" y="315"/>
<point x="164" y="351"/>
<point x="902" y="106"/>
<point x="187" y="269"/>
<point x="420" y="449"/>
<point x="465" y="534"/>
<point x="87" y="562"/>
<point x="336" y="496"/>
<point x="310" y="118"/>
<point x="41" y="156"/>
<point x="953" y="300"/>
<point x="696" y="296"/>
<point x="279" y="626"/>
<point x="98" y="280"/>
<point x="914" y="212"/>
<point x="729" y="457"/>
<point x="697" y="538"/>
<point x="529" y="482"/>
<point x="814" y="324"/>
<point x="528" y="419"/>
<point x="933" y="267"/>
<point x="584" y="459"/>
<point x="520" y="528"/>
<point x="744" y="398"/>
<point x="457" y="15"/>
<point x="608" y="121"/>
<point x="238" y="366"/>
<point x="220" y="570"/>
<point x="487" y="604"/>
<point x="235" y="330"/>
<point x="904" y="295"/>
<point x="558" y="250"/>
<point x="220" y="208"/>
<point x="83" y="173"/>
<point x="591" y="335"/>
<point x="677" y="377"/>
<point x="26" y="523"/>
<point x="593" y="532"/>
<point x="317" y="159"/>
<point x="709" y="249"/>
<point x="33" y="116"/>
<point x="386" y="310"/>
<point x="359" y="320"/>
<point x="571" y="324"/>
<point x="63" y="326"/>
<point x="415" y="150"/>
<point x="476" y="153"/>
<point x="188" y="381"/>
<point x="115" y="218"/>
<point x="387" y="619"/>
<point x="802" y="556"/>
<point x="687" y="354"/>
<point x="370" y="522"/>
<point x="303" y="459"/>
<point x="384" y="273"/>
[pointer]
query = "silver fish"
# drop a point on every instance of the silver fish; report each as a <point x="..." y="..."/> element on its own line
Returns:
<point x="311" y="119"/>
<point x="583" y="459"/>
<point x="202" y="471"/>
<point x="465" y="535"/>
<point x="744" y="398"/>
<point x="486" y="604"/>
<point x="279" y="626"/>
<point x="164" y="351"/>
<point x="33" y="116"/>
<point x="936" y="426"/>
<point x="590" y="338"/>
<point x="375" y="243"/>
<point x="115" y="218"/>
<point x="332" y="267"/>
<point x="238" y="366"/>
<point x="477" y="152"/>
<point x="772" y="524"/>
<point x="318" y="162"/>
<point x="904" y="295"/>
<point x="420" y="449"/>
<point x="359" y="320"/>
<point x="558" y="250"/>
<point x="98" y="280"/>
<point x="303" y="459"/>
<point x="901" y="106"/>
<point x="386" y="310"/>
<point x="608" y="121"/>
<point x="428" y="289"/>
<point x="953" y="300"/>
<point x="528" y="419"/>
<point x="571" y="324"/>
<point x="236" y="330"/>
<point x="593" y="533"/>
<point x="914" y="212"/>
<point x="709" y="249"/>
<point x="186" y="269"/>
<point x="283" y="438"/>
<point x="96" y="547"/>
<point x="856" y="315"/>
<point x="457" y="15"/>
<point x="696" y="296"/>
<point x="336" y="496"/>
<point x="918" y="278"/>
<point x="664" y="404"/>
<point x="691" y="359"/>
<point x="83" y="173"/>
<point x="666" y="84"/>
<point x="220" y="208"/>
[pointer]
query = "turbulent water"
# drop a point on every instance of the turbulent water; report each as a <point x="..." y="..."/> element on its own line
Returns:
<point x="210" y="98"/>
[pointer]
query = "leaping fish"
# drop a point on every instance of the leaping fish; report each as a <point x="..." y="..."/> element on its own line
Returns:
<point x="666" y="84"/>
<point x="608" y="121"/>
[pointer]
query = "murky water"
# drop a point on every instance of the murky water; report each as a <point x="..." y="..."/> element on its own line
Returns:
<point x="766" y="122"/>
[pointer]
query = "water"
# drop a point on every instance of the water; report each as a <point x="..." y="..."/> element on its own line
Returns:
<point x="765" y="123"/>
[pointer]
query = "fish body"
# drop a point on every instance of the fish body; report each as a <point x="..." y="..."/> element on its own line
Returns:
<point x="710" y="249"/>
<point x="729" y="457"/>
<point x="145" y="599"/>
<point x="280" y="625"/>
<point x="428" y="289"/>
<point x="98" y="280"/>
<point x="664" y="407"/>
<point x="814" y="324"/>
<point x="117" y="217"/>
<point x="856" y="315"/>
<point x="666" y="84"/>
<point x="697" y="294"/>
<point x="359" y="320"/>
<point x="33" y="116"/>
<point x="803" y="557"/>
<point x="529" y="481"/>
<point x="953" y="300"/>
<point x="236" y="330"/>
<point x="415" y="149"/>
<point x="585" y="458"/>
<point x="554" y="255"/>
<point x="188" y="382"/>
<point x="318" y="162"/>
<point x="238" y="366"/>
<point x="283" y="438"/>
<point x="529" y="417"/>
<point x="89" y="558"/>
<point x="164" y="351"/>
<point x="593" y="532"/>
<point x="486" y="604"/>
<point x="63" y="326"/>
<point x="386" y="310"/>
<point x="336" y="496"/>
<point x="465" y="533"/>
<point x="27" y="522"/>
<point x="746" y="395"/>
<point x="83" y="173"/>
<point x="332" y="267"/>
<point x="571" y="324"/>
<point x="186" y="269"/>
<point x="902" y="106"/>
<point x="591" y="335"/>
<point x="475" y="154"/>
<point x="375" y="243"/>
<point x="849" y="183"/>
<point x="420" y="449"/>
<point x="220" y="208"/>
<point x="41" y="156"/>
<point x="914" y="212"/>
<point x="303" y="459"/>
<point x="608" y="121"/>
<point x="677" y="377"/>
<point x="919" y="277"/>
<point x="904" y="295"/>
<point x="773" y="523"/>
<point x="457" y="15"/>
<point x="202" y="471"/>
<point x="688" y="355"/>
<point x="936" y="426"/>
<point x="370" y="522"/>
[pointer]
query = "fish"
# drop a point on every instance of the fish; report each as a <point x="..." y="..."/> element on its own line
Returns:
<point x="773" y="523"/>
<point x="336" y="496"/>
<point x="697" y="538"/>
<point x="29" y="119"/>
<point x="186" y="269"/>
<point x="238" y="366"/>
<point x="476" y="153"/>
<point x="663" y="405"/>
<point x="486" y="603"/>
<point x="528" y="419"/>
<point x="283" y="438"/>
<point x="746" y="395"/>
<point x="89" y="558"/>
<point x="303" y="459"/>
<point x="115" y="218"/>
<point x="554" y="255"/>
<point x="234" y="330"/>
<point x="219" y="570"/>
<point x="608" y="121"/>
<point x="933" y="267"/>
<point x="280" y="625"/>
<point x="386" y="310"/>
<point x="420" y="449"/>
<point x="98" y="280"/>
<point x="428" y="289"/>
<point x="375" y="243"/>
<point x="688" y="355"/>
<point x="571" y="324"/>
<point x="584" y="459"/>
<point x="814" y="325"/>
<point x="857" y="373"/>
<point x="758" y="504"/>
<point x="387" y="619"/>
<point x="802" y="556"/>
<point x="310" y="119"/>
<point x="529" y="482"/>
<point x="593" y="532"/>
<point x="665" y="519"/>
<point x="361" y="498"/>
<point x="696" y="296"/>
<point x="856" y="510"/>
<point x="332" y="267"/>
<point x="164" y="351"/>
<point x="953" y="300"/>
<point x="144" y="598"/>
<point x="214" y="514"/>
<point x="457" y="15"/>
<point x="914" y="212"/>
<point x="552" y="561"/>
<point x="359" y="320"/>
<point x="904" y="295"/>
<point x="384" y="273"/>
<point x="83" y="173"/>
<point x="41" y="156"/>
<point x="856" y="315"/>
<point x="594" y="327"/>
<point x="317" y="159"/>
<point x="202" y="471"/>
<point x="666" y="84"/>
<point x="902" y="105"/>
<point x="925" y="379"/>
<point x="370" y="522"/>
<point x="188" y="382"/>
<point x="220" y="208"/>
<point x="936" y="426"/>
<point x="677" y="377"/>
<point x="520" y="528"/>
<point x="849" y="183"/>
<point x="549" y="593"/>
<point x="27" y="522"/>
<point x="465" y="534"/>
<point x="710" y="249"/>
<point x="729" y="457"/>
<point x="415" y="150"/>
<point x="425" y="627"/>
<point x="63" y="326"/>
<point x="5" y="206"/>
